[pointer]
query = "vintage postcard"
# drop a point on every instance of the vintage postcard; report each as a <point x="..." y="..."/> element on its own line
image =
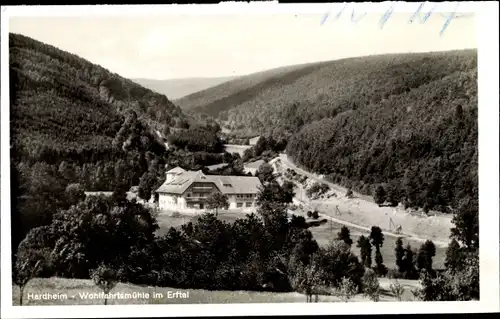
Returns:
<point x="249" y="159"/>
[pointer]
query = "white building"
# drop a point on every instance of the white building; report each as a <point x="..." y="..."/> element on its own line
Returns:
<point x="253" y="167"/>
<point x="188" y="190"/>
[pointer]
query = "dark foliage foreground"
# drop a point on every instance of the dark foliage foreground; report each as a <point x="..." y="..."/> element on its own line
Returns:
<point x="263" y="251"/>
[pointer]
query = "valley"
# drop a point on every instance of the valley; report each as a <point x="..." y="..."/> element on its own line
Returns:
<point x="364" y="171"/>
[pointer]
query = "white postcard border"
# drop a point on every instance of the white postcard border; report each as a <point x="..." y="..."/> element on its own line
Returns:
<point x="487" y="22"/>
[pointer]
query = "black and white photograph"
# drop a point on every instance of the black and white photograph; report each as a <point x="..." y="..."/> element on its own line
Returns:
<point x="254" y="157"/>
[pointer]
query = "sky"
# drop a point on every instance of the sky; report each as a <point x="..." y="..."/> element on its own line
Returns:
<point x="186" y="46"/>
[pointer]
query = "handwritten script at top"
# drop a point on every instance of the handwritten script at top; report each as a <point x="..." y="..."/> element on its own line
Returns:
<point x="416" y="16"/>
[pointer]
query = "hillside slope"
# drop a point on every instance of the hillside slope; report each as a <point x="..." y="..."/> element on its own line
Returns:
<point x="417" y="147"/>
<point x="177" y="88"/>
<point x="75" y="122"/>
<point x="282" y="101"/>
<point x="225" y="96"/>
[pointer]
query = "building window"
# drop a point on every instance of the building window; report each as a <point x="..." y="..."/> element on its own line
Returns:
<point x="239" y="205"/>
<point x="248" y="204"/>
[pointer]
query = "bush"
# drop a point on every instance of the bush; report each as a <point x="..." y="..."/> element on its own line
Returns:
<point x="315" y="214"/>
<point x="397" y="290"/>
<point x="309" y="214"/>
<point x="347" y="289"/>
<point x="349" y="193"/>
<point x="105" y="278"/>
<point x="337" y="261"/>
<point x="371" y="286"/>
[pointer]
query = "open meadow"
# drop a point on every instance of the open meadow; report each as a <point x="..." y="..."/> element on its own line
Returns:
<point x="323" y="233"/>
<point x="74" y="291"/>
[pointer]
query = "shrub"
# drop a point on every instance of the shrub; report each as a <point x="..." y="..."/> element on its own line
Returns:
<point x="397" y="290"/>
<point x="380" y="195"/>
<point x="371" y="286"/>
<point x="105" y="278"/>
<point x="315" y="214"/>
<point x="347" y="289"/>
<point x="349" y="193"/>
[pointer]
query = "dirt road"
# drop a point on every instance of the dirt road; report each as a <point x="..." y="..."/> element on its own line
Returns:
<point x="361" y="212"/>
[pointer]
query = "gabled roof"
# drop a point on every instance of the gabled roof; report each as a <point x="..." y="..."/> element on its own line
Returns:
<point x="226" y="184"/>
<point x="255" y="164"/>
<point x="238" y="184"/>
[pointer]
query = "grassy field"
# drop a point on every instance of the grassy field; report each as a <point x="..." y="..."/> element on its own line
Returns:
<point x="323" y="234"/>
<point x="72" y="291"/>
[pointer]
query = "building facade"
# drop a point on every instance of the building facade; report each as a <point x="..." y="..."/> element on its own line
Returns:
<point x="189" y="190"/>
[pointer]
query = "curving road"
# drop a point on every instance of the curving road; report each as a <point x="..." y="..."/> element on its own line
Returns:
<point x="287" y="163"/>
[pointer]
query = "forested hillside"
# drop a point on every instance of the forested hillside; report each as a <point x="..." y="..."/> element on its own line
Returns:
<point x="419" y="146"/>
<point x="282" y="101"/>
<point x="76" y="126"/>
<point x="225" y="96"/>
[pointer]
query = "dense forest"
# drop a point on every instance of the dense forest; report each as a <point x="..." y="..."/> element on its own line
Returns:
<point x="418" y="147"/>
<point x="76" y="124"/>
<point x="281" y="101"/>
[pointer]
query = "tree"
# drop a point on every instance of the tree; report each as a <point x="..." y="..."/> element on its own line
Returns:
<point x="119" y="196"/>
<point x="23" y="272"/>
<point x="105" y="278"/>
<point x="453" y="255"/>
<point x="260" y="146"/>
<point x="408" y="263"/>
<point x="307" y="278"/>
<point x="424" y="258"/>
<point x="265" y="173"/>
<point x="392" y="195"/>
<point x="349" y="193"/>
<point x="377" y="240"/>
<point x="365" y="248"/>
<point x="371" y="286"/>
<point x="380" y="268"/>
<point x="376" y="237"/>
<point x="33" y="257"/>
<point x="217" y="201"/>
<point x="399" y="252"/>
<point x="74" y="194"/>
<point x="347" y="289"/>
<point x="146" y="185"/>
<point x="274" y="193"/>
<point x="460" y="284"/>
<point x="380" y="195"/>
<point x="344" y="235"/>
<point x="337" y="261"/>
<point x="315" y="214"/>
<point x="466" y="221"/>
<point x="96" y="231"/>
